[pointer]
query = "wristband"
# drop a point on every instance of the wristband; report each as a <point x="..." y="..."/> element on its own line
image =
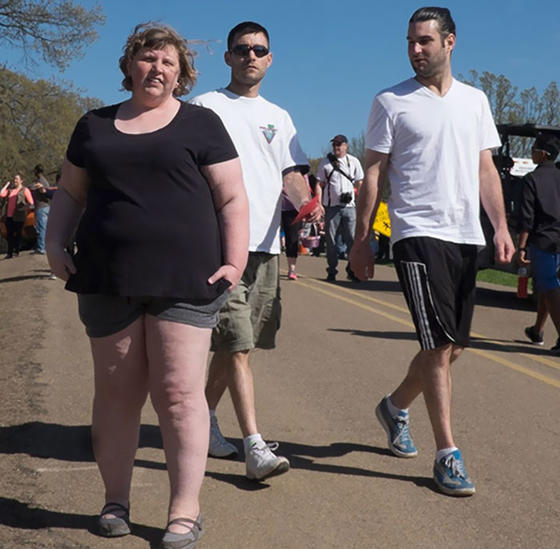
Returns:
<point x="522" y="249"/>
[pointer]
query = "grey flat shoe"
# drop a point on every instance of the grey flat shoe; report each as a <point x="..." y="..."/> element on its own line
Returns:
<point x="188" y="540"/>
<point x="117" y="526"/>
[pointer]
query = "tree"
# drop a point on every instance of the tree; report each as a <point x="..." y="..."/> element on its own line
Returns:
<point x="509" y="106"/>
<point x="551" y="105"/>
<point x="58" y="30"/>
<point x="36" y="121"/>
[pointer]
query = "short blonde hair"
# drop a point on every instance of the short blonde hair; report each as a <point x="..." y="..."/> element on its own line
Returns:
<point x="157" y="36"/>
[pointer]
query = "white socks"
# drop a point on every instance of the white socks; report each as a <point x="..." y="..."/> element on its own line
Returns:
<point x="393" y="410"/>
<point x="444" y="452"/>
<point x="251" y="440"/>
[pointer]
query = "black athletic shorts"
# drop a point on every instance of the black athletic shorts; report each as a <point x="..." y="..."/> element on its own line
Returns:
<point x="438" y="280"/>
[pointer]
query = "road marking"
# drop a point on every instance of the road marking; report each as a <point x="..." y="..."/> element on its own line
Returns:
<point x="537" y="358"/>
<point x="486" y="354"/>
<point x="65" y="469"/>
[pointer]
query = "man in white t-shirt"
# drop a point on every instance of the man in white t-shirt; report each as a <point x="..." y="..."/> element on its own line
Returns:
<point x="433" y="136"/>
<point x="338" y="174"/>
<point x="272" y="162"/>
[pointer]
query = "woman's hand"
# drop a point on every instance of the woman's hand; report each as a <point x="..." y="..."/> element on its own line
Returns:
<point x="60" y="262"/>
<point x="231" y="273"/>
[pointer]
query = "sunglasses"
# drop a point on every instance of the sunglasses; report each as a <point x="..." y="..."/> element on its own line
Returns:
<point x="243" y="50"/>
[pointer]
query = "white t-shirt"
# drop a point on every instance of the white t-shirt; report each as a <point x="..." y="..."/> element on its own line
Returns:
<point x="266" y="141"/>
<point x="337" y="183"/>
<point x="434" y="145"/>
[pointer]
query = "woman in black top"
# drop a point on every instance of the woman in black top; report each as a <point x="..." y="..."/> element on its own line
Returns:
<point x="163" y="232"/>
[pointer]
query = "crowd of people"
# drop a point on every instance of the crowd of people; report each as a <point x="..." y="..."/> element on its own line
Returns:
<point x="153" y="313"/>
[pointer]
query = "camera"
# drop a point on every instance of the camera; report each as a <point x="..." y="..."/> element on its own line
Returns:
<point x="345" y="198"/>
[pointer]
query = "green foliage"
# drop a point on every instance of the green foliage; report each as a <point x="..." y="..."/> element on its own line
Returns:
<point x="57" y="30"/>
<point x="511" y="106"/>
<point x="36" y="121"/>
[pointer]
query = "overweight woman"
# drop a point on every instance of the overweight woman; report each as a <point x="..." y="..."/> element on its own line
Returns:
<point x="154" y="185"/>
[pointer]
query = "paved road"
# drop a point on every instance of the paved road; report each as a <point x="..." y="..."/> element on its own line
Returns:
<point x="341" y="347"/>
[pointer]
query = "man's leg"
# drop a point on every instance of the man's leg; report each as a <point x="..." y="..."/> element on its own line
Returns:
<point x="429" y="373"/>
<point x="348" y="228"/>
<point x="232" y="370"/>
<point x="332" y="221"/>
<point x="41" y="217"/>
<point x="552" y="298"/>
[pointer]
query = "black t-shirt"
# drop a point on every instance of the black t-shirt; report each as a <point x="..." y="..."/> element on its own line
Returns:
<point x="540" y="207"/>
<point x="150" y="227"/>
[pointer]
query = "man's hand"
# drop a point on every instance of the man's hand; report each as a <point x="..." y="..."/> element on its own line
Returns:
<point x="362" y="260"/>
<point x="522" y="257"/>
<point x="315" y="215"/>
<point x="503" y="245"/>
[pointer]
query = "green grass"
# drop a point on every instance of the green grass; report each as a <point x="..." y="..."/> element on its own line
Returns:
<point x="497" y="277"/>
<point x="487" y="275"/>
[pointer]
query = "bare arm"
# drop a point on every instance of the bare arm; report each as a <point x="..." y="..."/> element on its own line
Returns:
<point x="232" y="207"/>
<point x="492" y="200"/>
<point x="522" y="250"/>
<point x="362" y="259"/>
<point x="298" y="193"/>
<point x="66" y="210"/>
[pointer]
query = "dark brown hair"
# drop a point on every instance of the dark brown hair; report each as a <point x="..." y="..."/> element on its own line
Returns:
<point x="157" y="36"/>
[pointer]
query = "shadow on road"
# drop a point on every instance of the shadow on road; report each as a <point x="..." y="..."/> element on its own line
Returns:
<point x="503" y="299"/>
<point x="305" y="456"/>
<point x="377" y="333"/>
<point x="65" y="442"/>
<point x="16" y="514"/>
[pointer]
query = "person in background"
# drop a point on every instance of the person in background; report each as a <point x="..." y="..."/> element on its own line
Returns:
<point x="17" y="201"/>
<point x="539" y="235"/>
<point x="338" y="175"/>
<point x="42" y="195"/>
<point x="434" y="136"/>
<point x="156" y="187"/>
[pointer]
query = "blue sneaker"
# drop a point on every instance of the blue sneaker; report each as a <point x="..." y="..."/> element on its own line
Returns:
<point x="451" y="477"/>
<point x="396" y="427"/>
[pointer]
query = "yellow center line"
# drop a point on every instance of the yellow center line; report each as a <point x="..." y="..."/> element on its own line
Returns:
<point x="316" y="286"/>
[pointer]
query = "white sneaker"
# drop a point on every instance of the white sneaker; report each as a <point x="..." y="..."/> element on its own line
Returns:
<point x="219" y="447"/>
<point x="261" y="462"/>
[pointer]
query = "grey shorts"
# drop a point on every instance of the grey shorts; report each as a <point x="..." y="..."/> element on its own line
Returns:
<point x="251" y="316"/>
<point x="104" y="315"/>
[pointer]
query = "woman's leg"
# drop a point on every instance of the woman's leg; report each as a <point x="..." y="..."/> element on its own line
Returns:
<point x="18" y="228"/>
<point x="10" y="235"/>
<point x="121" y="388"/>
<point x="177" y="356"/>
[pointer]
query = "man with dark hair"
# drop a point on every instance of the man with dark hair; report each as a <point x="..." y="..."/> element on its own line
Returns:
<point x="338" y="175"/>
<point x="273" y="162"/>
<point x="433" y="135"/>
<point x="540" y="229"/>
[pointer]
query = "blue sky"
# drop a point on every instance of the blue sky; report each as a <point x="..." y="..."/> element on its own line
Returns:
<point x="330" y="57"/>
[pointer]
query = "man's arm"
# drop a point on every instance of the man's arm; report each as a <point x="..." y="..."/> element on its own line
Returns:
<point x="492" y="200"/>
<point x="298" y="193"/>
<point x="361" y="256"/>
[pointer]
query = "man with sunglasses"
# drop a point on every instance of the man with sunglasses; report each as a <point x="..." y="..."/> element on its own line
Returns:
<point x="540" y="227"/>
<point x="272" y="162"/>
<point x="433" y="135"/>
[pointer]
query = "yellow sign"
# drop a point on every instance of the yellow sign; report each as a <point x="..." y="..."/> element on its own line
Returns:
<point x="382" y="223"/>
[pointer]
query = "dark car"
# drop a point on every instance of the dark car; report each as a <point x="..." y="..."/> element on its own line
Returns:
<point x="512" y="186"/>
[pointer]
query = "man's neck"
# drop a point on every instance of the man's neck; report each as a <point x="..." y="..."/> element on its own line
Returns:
<point x="439" y="83"/>
<point x="244" y="90"/>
